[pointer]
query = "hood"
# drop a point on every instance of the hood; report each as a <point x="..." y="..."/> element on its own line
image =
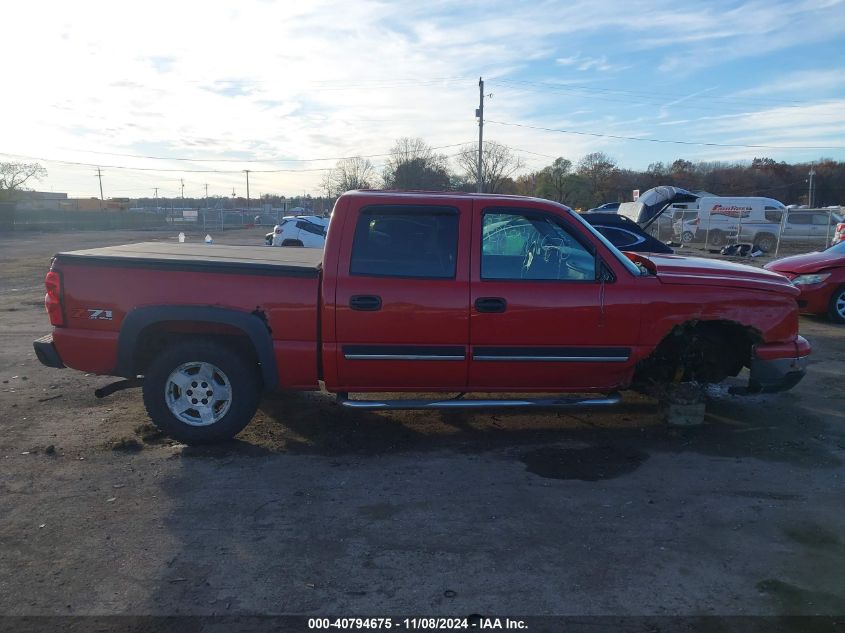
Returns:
<point x="698" y="271"/>
<point x="654" y="202"/>
<point x="807" y="263"/>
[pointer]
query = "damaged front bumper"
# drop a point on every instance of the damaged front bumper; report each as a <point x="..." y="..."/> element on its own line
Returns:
<point x="777" y="366"/>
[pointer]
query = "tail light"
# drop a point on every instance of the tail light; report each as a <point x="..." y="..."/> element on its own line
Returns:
<point x="53" y="298"/>
<point x="697" y="221"/>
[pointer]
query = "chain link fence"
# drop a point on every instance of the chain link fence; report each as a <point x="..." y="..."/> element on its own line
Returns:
<point x="195" y="218"/>
<point x="772" y="230"/>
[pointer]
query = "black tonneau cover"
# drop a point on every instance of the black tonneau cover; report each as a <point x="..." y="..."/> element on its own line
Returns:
<point x="256" y="260"/>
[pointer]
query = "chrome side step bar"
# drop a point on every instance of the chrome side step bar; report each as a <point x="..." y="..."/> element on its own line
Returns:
<point x="458" y="403"/>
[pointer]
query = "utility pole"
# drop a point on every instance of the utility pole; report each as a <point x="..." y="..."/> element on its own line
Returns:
<point x="247" y="189"/>
<point x="480" y="114"/>
<point x="156" y="197"/>
<point x="100" y="176"/>
<point x="182" y="180"/>
<point x="810" y="192"/>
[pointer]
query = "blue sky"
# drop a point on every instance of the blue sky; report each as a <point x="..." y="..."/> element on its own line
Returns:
<point x="292" y="86"/>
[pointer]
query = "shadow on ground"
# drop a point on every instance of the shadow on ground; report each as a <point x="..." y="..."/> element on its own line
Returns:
<point x="621" y="437"/>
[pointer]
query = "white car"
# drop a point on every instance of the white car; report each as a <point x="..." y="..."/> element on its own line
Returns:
<point x="308" y="231"/>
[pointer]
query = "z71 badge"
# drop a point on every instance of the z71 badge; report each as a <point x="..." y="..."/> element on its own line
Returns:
<point x="92" y="314"/>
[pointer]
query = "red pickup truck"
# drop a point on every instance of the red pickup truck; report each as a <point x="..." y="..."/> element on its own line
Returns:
<point x="414" y="292"/>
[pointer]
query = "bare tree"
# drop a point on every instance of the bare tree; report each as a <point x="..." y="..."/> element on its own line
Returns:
<point x="414" y="165"/>
<point x="498" y="164"/>
<point x="348" y="174"/>
<point x="14" y="176"/>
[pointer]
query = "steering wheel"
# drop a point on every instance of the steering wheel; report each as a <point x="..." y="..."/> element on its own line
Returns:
<point x="581" y="266"/>
<point x="554" y="249"/>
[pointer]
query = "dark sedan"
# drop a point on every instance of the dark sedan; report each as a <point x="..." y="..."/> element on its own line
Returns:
<point x="625" y="234"/>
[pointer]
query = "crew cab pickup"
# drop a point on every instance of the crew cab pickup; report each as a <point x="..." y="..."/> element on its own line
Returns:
<point x="414" y="292"/>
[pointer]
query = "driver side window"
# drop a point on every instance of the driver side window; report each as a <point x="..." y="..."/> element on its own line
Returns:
<point x="532" y="246"/>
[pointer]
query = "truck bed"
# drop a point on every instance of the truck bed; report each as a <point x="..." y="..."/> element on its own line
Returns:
<point x="299" y="262"/>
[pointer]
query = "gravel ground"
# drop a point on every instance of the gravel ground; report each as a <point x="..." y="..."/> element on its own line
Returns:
<point x="317" y="510"/>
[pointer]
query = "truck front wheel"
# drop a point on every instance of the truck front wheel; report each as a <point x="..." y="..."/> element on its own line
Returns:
<point x="199" y="392"/>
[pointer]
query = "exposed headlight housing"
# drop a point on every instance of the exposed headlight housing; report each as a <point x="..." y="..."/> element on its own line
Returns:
<point x="809" y="280"/>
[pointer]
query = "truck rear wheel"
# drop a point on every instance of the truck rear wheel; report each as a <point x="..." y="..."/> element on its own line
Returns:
<point x="199" y="392"/>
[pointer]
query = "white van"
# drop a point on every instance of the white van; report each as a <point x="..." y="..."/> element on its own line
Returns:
<point x="724" y="219"/>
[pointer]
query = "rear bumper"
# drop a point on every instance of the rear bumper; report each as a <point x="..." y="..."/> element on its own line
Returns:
<point x="778" y="367"/>
<point x="47" y="353"/>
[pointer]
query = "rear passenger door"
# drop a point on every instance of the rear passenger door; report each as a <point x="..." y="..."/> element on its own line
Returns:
<point x="402" y="302"/>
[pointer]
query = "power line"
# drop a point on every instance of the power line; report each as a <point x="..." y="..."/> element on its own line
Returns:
<point x="660" y="140"/>
<point x="161" y="169"/>
<point x="236" y="160"/>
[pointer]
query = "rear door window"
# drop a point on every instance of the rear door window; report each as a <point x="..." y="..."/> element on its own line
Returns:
<point x="310" y="227"/>
<point x="406" y="241"/>
<point x="773" y="214"/>
<point x="620" y="238"/>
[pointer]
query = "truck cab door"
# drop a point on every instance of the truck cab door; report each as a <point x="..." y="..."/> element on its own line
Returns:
<point x="402" y="297"/>
<point x="549" y="309"/>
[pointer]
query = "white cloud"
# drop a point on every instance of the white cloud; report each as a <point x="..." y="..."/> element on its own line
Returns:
<point x="799" y="83"/>
<point x="328" y="78"/>
<point x="583" y="64"/>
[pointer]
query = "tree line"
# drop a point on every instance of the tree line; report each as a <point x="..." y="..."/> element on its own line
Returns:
<point x="413" y="164"/>
<point x="594" y="179"/>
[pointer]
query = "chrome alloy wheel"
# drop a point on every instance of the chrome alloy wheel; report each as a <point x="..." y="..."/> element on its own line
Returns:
<point x="840" y="304"/>
<point x="198" y="393"/>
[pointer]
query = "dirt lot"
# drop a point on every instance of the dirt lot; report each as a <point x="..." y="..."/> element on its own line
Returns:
<point x="321" y="511"/>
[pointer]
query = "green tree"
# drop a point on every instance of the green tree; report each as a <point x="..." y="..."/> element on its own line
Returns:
<point x="598" y="170"/>
<point x="555" y="182"/>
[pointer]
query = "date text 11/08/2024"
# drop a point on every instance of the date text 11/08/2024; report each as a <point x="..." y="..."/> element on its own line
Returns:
<point x="431" y="624"/>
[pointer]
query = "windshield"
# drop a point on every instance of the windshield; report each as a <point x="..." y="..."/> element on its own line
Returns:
<point x="631" y="266"/>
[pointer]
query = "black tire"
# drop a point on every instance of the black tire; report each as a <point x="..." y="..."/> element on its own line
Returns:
<point x="766" y="242"/>
<point x="241" y="376"/>
<point x="837" y="301"/>
<point x="296" y="243"/>
<point x="716" y="238"/>
<point x="687" y="237"/>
